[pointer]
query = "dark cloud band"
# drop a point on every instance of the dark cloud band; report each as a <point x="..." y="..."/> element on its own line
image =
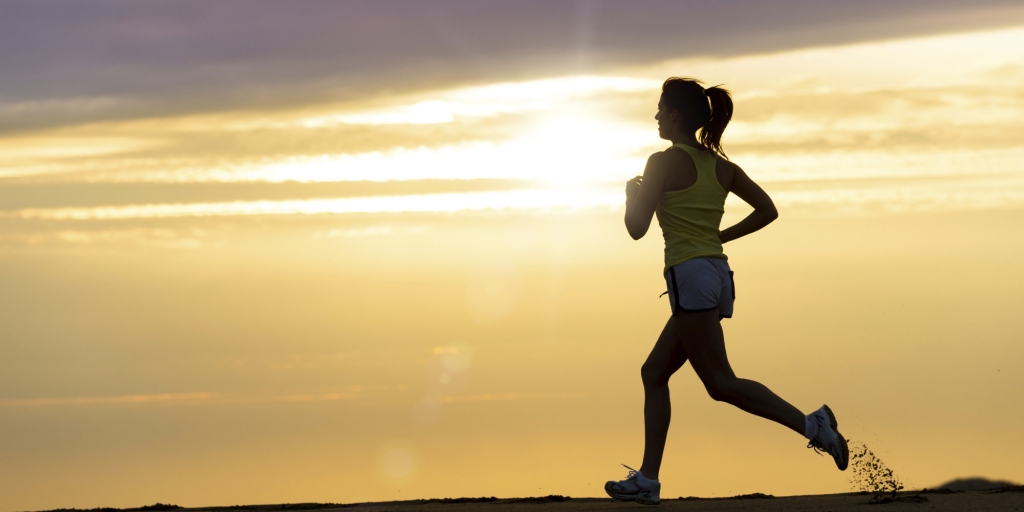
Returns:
<point x="83" y="60"/>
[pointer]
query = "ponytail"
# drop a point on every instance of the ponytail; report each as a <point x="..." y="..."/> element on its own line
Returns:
<point x="706" y="109"/>
<point x="721" y="113"/>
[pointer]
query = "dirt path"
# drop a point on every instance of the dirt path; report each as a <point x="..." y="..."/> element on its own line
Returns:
<point x="964" y="501"/>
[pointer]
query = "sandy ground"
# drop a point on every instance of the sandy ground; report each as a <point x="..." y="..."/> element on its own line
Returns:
<point x="963" y="501"/>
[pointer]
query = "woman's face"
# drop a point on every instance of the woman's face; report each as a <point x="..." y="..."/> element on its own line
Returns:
<point x="666" y="120"/>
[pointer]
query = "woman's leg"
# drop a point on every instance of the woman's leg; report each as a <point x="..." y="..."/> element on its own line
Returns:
<point x="700" y="335"/>
<point x="666" y="358"/>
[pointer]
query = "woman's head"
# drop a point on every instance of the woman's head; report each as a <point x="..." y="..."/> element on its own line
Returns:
<point x="686" y="106"/>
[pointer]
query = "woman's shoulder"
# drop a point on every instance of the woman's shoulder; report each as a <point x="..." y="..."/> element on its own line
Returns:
<point x="660" y="161"/>
<point x="671" y="154"/>
<point x="663" y="154"/>
<point x="726" y="164"/>
<point x="725" y="171"/>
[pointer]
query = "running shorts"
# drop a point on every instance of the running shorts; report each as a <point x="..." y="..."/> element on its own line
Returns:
<point x="701" y="284"/>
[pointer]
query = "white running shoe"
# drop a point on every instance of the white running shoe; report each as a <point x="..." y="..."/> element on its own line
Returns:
<point x="632" y="489"/>
<point x="827" y="438"/>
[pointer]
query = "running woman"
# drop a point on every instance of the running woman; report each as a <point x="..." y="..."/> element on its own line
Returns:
<point x="686" y="186"/>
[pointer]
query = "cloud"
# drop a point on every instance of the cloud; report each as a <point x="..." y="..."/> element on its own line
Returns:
<point x="370" y="231"/>
<point x="162" y="238"/>
<point x="76" y="61"/>
<point x="824" y="126"/>
<point x="534" y="199"/>
<point x="106" y="400"/>
<point x="191" y="398"/>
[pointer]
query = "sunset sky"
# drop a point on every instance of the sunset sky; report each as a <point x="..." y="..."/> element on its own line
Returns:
<point x="268" y="252"/>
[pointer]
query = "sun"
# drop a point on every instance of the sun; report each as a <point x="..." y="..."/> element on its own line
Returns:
<point x="575" y="148"/>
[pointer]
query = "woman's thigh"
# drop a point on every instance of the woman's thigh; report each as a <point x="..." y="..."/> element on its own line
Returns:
<point x="701" y="338"/>
<point x="667" y="356"/>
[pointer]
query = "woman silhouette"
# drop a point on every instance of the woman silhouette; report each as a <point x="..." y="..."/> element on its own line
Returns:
<point x="686" y="186"/>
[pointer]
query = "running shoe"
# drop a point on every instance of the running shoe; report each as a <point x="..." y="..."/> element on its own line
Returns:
<point x="828" y="438"/>
<point x="631" y="489"/>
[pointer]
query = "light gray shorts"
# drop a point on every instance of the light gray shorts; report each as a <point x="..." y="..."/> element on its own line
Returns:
<point x="701" y="284"/>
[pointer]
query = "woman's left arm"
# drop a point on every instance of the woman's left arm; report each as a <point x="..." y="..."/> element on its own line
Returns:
<point x="642" y="196"/>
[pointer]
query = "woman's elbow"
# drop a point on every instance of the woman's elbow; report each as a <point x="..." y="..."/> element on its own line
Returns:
<point x="635" y="229"/>
<point x="767" y="212"/>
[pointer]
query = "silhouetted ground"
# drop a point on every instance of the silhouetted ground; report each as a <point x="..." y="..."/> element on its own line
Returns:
<point x="1003" y="499"/>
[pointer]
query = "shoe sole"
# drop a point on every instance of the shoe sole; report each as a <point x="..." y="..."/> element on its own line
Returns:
<point x="638" y="499"/>
<point x="842" y="440"/>
<point x="643" y="500"/>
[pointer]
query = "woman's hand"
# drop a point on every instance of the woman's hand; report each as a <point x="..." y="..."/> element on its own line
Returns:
<point x="633" y="187"/>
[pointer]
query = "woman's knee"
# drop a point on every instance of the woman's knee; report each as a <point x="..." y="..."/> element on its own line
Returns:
<point x="721" y="390"/>
<point x="652" y="376"/>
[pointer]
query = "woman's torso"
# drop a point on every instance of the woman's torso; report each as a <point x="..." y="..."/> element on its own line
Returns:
<point x="692" y="203"/>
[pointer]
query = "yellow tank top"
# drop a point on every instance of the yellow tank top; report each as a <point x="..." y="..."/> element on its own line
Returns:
<point x="690" y="218"/>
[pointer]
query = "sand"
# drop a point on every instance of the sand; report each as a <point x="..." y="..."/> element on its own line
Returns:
<point x="961" y="501"/>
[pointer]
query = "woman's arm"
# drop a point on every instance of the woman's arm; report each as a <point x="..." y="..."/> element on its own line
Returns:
<point x="642" y="196"/>
<point x="764" y="209"/>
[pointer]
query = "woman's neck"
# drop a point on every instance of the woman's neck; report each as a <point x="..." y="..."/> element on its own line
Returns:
<point x="689" y="139"/>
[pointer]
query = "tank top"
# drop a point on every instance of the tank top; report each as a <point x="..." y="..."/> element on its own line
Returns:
<point x="690" y="218"/>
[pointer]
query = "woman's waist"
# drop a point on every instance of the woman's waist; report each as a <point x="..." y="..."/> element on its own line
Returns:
<point x="693" y="244"/>
<point x="697" y="232"/>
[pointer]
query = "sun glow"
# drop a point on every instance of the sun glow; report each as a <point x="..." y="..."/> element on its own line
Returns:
<point x="487" y="101"/>
<point x="559" y="148"/>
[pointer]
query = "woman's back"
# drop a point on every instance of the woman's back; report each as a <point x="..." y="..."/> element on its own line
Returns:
<point x="684" y="172"/>
<point x="692" y="203"/>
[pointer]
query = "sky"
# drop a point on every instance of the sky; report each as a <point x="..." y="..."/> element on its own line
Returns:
<point x="257" y="252"/>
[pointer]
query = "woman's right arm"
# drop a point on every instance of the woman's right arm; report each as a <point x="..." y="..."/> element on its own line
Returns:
<point x="642" y="196"/>
<point x="764" y="209"/>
